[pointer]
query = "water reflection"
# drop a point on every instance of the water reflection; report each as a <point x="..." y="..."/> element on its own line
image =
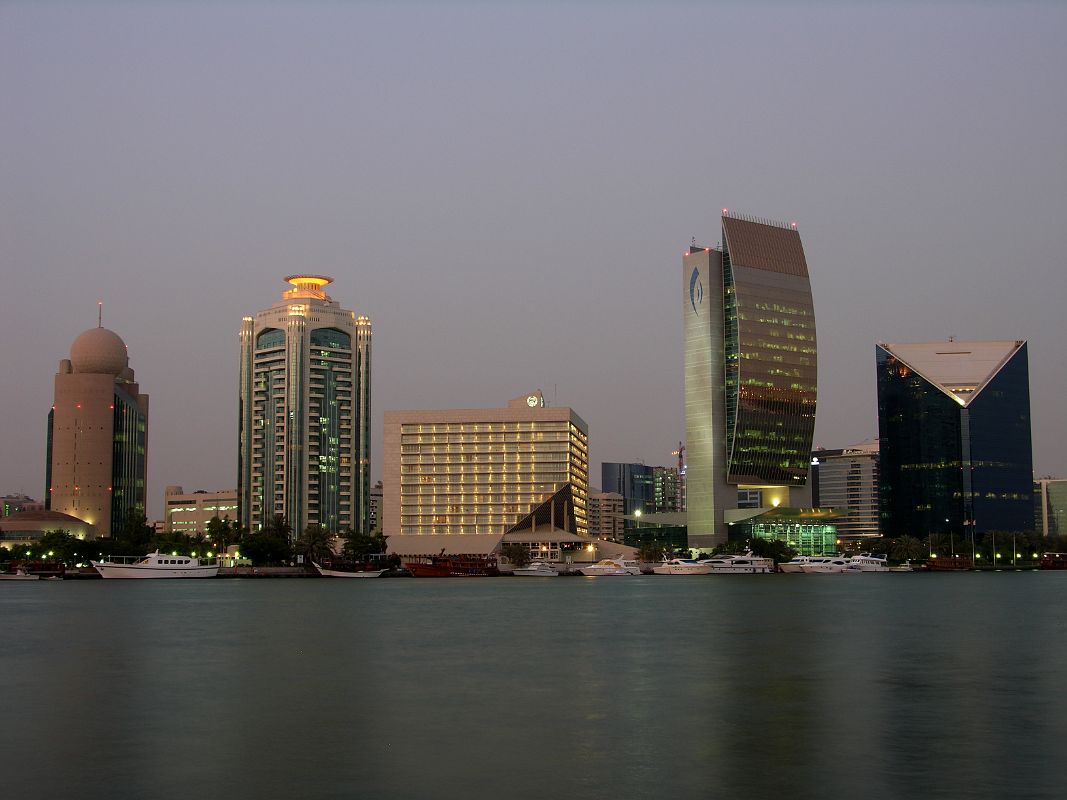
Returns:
<point x="731" y="686"/>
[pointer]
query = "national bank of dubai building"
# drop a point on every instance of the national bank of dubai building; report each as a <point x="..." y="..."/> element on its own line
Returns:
<point x="750" y="374"/>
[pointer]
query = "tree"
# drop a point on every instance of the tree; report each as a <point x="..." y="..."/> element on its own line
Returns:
<point x="135" y="534"/>
<point x="650" y="552"/>
<point x="772" y="548"/>
<point x="316" y="544"/>
<point x="517" y="554"/>
<point x="272" y="544"/>
<point x="358" y="546"/>
<point x="908" y="548"/>
<point x="221" y="533"/>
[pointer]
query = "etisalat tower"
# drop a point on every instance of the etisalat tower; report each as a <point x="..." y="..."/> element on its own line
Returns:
<point x="750" y="388"/>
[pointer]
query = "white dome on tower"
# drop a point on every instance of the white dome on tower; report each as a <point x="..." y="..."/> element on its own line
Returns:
<point x="99" y="351"/>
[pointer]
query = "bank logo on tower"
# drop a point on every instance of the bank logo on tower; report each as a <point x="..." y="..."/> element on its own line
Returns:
<point x="696" y="289"/>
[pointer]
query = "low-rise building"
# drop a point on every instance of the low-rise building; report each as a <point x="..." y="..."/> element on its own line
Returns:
<point x="189" y="514"/>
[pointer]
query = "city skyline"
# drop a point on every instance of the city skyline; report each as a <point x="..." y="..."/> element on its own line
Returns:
<point x="518" y="225"/>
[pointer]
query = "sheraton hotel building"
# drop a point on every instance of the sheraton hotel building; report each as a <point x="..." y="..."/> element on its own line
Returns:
<point x="750" y="388"/>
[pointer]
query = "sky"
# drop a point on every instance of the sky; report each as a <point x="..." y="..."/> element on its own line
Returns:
<point x="506" y="190"/>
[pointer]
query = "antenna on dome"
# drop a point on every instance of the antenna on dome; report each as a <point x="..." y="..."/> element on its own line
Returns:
<point x="100" y="314"/>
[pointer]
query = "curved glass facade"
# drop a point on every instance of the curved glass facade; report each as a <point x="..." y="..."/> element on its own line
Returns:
<point x="330" y="337"/>
<point x="270" y="339"/>
<point x="770" y="354"/>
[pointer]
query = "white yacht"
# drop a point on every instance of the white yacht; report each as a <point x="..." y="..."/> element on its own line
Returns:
<point x="612" y="566"/>
<point x="742" y="564"/>
<point x="18" y="575"/>
<point x="536" y="569"/>
<point x="158" y="565"/>
<point x="797" y="564"/>
<point x="865" y="562"/>
<point x="681" y="566"/>
<point x="826" y="564"/>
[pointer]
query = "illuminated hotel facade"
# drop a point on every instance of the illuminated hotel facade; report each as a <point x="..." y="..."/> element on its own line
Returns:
<point x="305" y="412"/>
<point x="97" y="435"/>
<point x="479" y="471"/>
<point x="954" y="428"/>
<point x="750" y="374"/>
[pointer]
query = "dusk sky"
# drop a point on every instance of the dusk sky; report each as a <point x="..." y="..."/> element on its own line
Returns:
<point x="506" y="190"/>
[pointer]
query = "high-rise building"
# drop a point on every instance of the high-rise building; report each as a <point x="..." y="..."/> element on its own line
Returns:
<point x="846" y="479"/>
<point x="750" y="372"/>
<point x="606" y="516"/>
<point x="189" y="514"/>
<point x="305" y="412"/>
<point x="97" y="435"/>
<point x="954" y="429"/>
<point x="1050" y="505"/>
<point x="666" y="490"/>
<point x="636" y="484"/>
<point x="375" y="515"/>
<point x="479" y="471"/>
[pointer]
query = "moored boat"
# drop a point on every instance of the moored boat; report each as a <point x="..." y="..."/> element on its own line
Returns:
<point x="331" y="570"/>
<point x="739" y="565"/>
<point x="454" y="566"/>
<point x="826" y="565"/>
<point x="797" y="564"/>
<point x="158" y="565"/>
<point x="536" y="569"/>
<point x="18" y="575"/>
<point x="681" y="566"/>
<point x="867" y="563"/>
<point x="609" y="567"/>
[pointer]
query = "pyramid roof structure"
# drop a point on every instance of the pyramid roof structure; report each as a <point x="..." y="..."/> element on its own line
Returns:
<point x="959" y="369"/>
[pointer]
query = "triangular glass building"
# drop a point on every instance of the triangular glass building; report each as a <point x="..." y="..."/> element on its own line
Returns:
<point x="954" y="425"/>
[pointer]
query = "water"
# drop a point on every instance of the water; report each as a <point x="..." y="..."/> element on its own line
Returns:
<point x="805" y="686"/>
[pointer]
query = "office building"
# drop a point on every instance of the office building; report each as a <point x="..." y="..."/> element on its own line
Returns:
<point x="14" y="503"/>
<point x="189" y="514"/>
<point x="374" y="520"/>
<point x="846" y="480"/>
<point x="954" y="429"/>
<point x="97" y="435"/>
<point x="750" y="374"/>
<point x="1050" y="501"/>
<point x="606" y="511"/>
<point x="477" y="472"/>
<point x="305" y="412"/>
<point x="636" y="484"/>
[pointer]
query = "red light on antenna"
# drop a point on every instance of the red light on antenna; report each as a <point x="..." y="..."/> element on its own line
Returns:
<point x="707" y="249"/>
<point x="725" y="211"/>
<point x="793" y="225"/>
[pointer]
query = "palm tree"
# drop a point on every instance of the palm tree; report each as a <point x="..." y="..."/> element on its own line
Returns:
<point x="316" y="544"/>
<point x="908" y="547"/>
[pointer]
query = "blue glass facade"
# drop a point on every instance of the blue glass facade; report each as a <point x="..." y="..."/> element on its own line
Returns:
<point x="950" y="460"/>
<point x="636" y="484"/>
